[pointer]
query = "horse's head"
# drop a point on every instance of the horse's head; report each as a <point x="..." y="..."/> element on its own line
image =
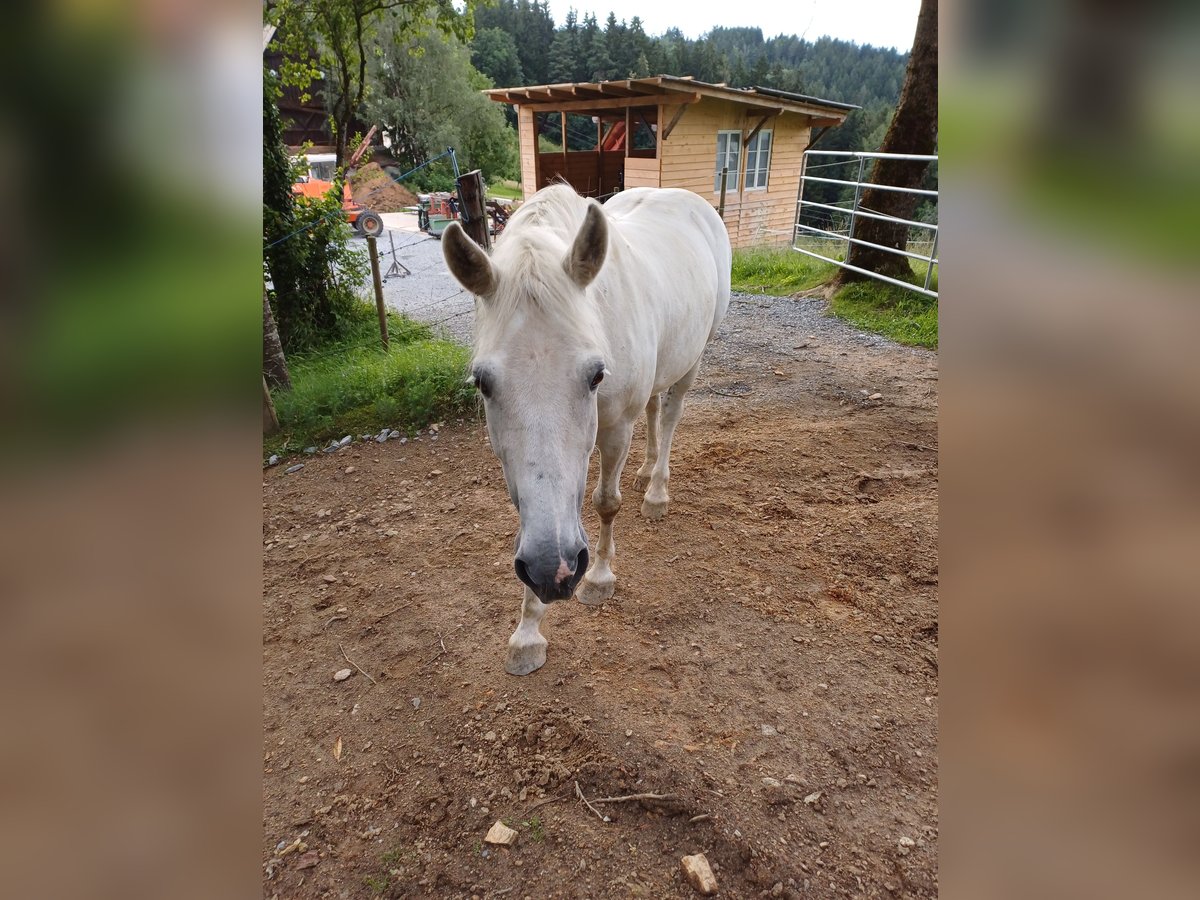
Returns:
<point x="538" y="363"/>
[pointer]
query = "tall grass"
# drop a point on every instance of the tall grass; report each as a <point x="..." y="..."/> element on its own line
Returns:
<point x="356" y="387"/>
<point x="777" y="270"/>
<point x="895" y="312"/>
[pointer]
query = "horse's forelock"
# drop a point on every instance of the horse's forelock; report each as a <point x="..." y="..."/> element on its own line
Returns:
<point x="531" y="279"/>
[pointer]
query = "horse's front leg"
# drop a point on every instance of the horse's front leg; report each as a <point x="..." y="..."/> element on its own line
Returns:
<point x="527" y="647"/>
<point x="600" y="582"/>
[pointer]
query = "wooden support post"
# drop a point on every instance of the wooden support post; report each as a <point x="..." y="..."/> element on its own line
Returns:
<point x="563" y="124"/>
<point x="270" y="420"/>
<point x="373" y="250"/>
<point x="473" y="209"/>
<point x="724" y="178"/>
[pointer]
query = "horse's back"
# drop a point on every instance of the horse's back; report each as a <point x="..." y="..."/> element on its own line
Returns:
<point x="676" y="231"/>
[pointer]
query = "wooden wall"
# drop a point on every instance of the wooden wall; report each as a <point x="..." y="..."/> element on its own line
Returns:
<point x="641" y="171"/>
<point x="592" y="174"/>
<point x="527" y="141"/>
<point x="689" y="158"/>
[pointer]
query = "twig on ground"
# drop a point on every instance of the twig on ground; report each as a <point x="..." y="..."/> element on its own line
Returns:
<point x="357" y="666"/>
<point x="629" y="797"/>
<point x="699" y="818"/>
<point x="437" y="655"/>
<point x="336" y="619"/>
<point x="734" y="396"/>
<point x="397" y="609"/>
<point x="599" y="815"/>
<point x="545" y="802"/>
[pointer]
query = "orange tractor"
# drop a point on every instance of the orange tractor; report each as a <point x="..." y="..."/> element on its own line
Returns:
<point x="319" y="182"/>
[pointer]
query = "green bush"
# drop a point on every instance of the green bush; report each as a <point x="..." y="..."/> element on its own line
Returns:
<point x="313" y="272"/>
<point x="356" y="387"/>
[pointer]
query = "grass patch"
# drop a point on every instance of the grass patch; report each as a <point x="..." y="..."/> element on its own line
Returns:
<point x="537" y="830"/>
<point x="505" y="190"/>
<point x="777" y="270"/>
<point x="356" y="387"/>
<point x="895" y="312"/>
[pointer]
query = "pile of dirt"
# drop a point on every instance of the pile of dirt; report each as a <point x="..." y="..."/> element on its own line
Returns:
<point x="373" y="187"/>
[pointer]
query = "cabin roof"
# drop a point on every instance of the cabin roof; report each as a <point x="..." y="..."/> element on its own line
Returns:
<point x="657" y="89"/>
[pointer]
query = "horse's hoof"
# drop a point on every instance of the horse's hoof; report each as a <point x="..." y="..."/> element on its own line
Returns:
<point x="592" y="594"/>
<point x="641" y="482"/>
<point x="654" y="509"/>
<point x="526" y="659"/>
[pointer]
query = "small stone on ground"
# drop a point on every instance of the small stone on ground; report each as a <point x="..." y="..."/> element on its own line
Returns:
<point x="342" y="674"/>
<point x="501" y="834"/>
<point x="699" y="873"/>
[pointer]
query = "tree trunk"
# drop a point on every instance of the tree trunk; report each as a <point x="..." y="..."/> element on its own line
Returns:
<point x="274" y="362"/>
<point x="913" y="130"/>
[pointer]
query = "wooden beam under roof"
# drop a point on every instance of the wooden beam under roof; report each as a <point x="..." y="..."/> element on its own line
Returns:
<point x="771" y="114"/>
<point x="616" y="90"/>
<point x="609" y="102"/>
<point x="666" y="132"/>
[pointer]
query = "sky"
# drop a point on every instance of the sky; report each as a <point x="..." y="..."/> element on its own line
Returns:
<point x="883" y="23"/>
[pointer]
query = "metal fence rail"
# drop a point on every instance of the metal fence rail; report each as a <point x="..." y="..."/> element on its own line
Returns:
<point x="854" y="211"/>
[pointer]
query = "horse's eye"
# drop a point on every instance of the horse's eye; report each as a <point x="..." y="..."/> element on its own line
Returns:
<point x="597" y="378"/>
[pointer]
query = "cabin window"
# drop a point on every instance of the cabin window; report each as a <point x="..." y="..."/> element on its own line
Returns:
<point x="758" y="159"/>
<point x="729" y="146"/>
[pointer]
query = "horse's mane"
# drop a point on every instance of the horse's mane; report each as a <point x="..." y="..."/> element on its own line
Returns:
<point x="528" y="258"/>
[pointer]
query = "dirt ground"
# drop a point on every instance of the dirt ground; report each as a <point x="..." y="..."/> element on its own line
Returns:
<point x="769" y="660"/>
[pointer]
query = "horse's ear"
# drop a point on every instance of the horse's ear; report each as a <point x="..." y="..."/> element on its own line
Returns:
<point x="590" y="247"/>
<point x="467" y="261"/>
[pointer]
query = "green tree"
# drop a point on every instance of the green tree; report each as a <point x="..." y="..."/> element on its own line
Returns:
<point x="494" y="53"/>
<point x="429" y="99"/>
<point x="597" y="64"/>
<point x="330" y="38"/>
<point x="565" y="52"/>
<point x="313" y="272"/>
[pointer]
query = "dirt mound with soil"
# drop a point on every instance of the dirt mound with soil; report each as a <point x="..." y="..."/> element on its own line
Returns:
<point x="768" y="669"/>
<point x="374" y="188"/>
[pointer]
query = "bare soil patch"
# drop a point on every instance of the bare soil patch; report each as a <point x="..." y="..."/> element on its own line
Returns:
<point x="769" y="661"/>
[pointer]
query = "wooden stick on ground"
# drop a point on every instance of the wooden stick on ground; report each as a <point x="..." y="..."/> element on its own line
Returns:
<point x="357" y="666"/>
<point x="628" y="797"/>
<point x="599" y="815"/>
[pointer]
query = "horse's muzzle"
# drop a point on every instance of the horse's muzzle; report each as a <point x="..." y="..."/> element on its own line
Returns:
<point x="549" y="576"/>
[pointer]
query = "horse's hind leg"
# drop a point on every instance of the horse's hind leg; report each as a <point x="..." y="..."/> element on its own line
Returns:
<point x="600" y="582"/>
<point x="654" y="506"/>
<point x="643" y="474"/>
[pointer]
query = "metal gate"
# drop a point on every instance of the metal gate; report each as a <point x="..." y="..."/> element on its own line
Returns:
<point x="839" y="219"/>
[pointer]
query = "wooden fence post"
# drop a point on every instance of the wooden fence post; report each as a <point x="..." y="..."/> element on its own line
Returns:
<point x="724" y="178"/>
<point x="473" y="208"/>
<point x="374" y="251"/>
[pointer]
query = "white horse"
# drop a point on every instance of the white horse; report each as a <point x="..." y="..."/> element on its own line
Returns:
<point x="584" y="315"/>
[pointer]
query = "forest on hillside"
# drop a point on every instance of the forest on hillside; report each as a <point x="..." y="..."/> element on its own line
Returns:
<point x="517" y="42"/>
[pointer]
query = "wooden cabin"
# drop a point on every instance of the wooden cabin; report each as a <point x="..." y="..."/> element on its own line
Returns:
<point x="664" y="131"/>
